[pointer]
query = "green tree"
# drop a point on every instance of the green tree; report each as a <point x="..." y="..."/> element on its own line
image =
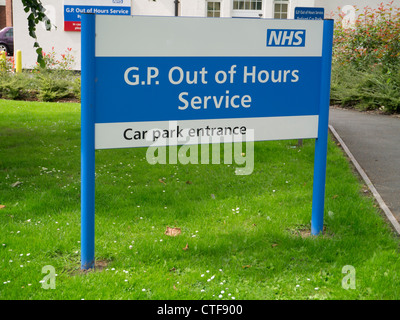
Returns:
<point x="36" y="15"/>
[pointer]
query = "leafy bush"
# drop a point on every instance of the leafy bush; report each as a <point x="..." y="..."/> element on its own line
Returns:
<point x="65" y="62"/>
<point x="372" y="89"/>
<point x="374" y="38"/>
<point x="55" y="82"/>
<point x="366" y="60"/>
<point x="7" y="64"/>
<point x="53" y="87"/>
<point x="12" y="86"/>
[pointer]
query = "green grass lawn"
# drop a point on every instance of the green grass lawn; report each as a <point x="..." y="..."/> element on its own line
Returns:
<point x="245" y="236"/>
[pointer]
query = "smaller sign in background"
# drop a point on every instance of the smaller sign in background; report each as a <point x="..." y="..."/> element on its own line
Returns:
<point x="309" y="13"/>
<point x="73" y="10"/>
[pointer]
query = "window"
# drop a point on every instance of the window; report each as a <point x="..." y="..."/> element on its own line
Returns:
<point x="247" y="4"/>
<point x="9" y="33"/>
<point x="213" y="9"/>
<point x="281" y="9"/>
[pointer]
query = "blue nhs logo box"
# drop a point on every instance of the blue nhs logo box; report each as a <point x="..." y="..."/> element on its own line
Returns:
<point x="286" y="38"/>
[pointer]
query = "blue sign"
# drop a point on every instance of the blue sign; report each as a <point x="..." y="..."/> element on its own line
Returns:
<point x="185" y="73"/>
<point x="73" y="10"/>
<point x="286" y="38"/>
<point x="204" y="75"/>
<point x="74" y="13"/>
<point x="309" y="13"/>
<point x="163" y="89"/>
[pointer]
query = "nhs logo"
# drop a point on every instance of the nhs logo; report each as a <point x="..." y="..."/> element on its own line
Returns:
<point x="286" y="38"/>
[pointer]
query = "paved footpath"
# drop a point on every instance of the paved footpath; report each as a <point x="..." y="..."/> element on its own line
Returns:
<point x="374" y="141"/>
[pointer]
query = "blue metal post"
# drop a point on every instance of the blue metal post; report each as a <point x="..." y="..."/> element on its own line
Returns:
<point x="87" y="140"/>
<point x="321" y="143"/>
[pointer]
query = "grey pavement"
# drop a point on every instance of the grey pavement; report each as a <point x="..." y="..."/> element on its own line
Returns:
<point x="374" y="141"/>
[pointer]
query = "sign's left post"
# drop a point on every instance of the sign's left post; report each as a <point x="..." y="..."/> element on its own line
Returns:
<point x="87" y="140"/>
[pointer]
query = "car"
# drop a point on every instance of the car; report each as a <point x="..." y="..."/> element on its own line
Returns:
<point x="7" y="40"/>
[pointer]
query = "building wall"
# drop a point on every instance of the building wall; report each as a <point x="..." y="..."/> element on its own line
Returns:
<point x="192" y="8"/>
<point x="9" y="13"/>
<point x="59" y="40"/>
<point x="6" y="14"/>
<point x="331" y="7"/>
<point x="299" y="3"/>
<point x="2" y="17"/>
<point x="154" y="8"/>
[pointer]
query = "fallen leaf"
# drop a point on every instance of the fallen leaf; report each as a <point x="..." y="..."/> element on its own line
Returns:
<point x="162" y="181"/>
<point x="2" y="206"/>
<point x="188" y="182"/>
<point x="274" y="245"/>
<point x="175" y="288"/>
<point x="246" y="266"/>
<point x="173" y="232"/>
<point x="186" y="247"/>
<point x="335" y="196"/>
<point x="16" y="184"/>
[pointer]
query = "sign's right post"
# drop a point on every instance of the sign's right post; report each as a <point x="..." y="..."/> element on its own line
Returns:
<point x="321" y="143"/>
